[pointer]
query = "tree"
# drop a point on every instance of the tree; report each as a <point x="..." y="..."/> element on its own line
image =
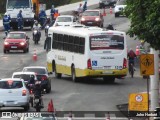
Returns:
<point x="145" y="20"/>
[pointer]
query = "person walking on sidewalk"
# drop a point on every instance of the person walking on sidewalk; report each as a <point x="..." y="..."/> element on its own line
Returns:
<point x="6" y="23"/>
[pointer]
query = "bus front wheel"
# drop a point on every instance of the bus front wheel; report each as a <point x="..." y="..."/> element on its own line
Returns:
<point x="73" y="73"/>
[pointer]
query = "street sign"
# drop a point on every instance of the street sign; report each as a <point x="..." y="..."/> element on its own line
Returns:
<point x="138" y="102"/>
<point x="147" y="64"/>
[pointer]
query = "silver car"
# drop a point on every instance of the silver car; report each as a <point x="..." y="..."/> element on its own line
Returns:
<point x="13" y="93"/>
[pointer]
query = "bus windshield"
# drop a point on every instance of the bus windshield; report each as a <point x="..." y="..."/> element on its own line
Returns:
<point x="100" y="42"/>
<point x="18" y="4"/>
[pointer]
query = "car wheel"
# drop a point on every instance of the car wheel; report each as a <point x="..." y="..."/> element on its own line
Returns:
<point x="109" y="80"/>
<point x="25" y="50"/>
<point x="26" y="108"/>
<point x="73" y="74"/>
<point x="28" y="49"/>
<point x="48" y="90"/>
<point x="116" y="14"/>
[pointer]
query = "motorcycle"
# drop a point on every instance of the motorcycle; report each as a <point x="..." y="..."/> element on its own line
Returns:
<point x="36" y="36"/>
<point x="37" y="103"/>
<point x="31" y="88"/>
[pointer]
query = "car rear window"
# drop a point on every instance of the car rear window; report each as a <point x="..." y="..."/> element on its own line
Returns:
<point x="36" y="70"/>
<point x="91" y="13"/>
<point x="16" y="36"/>
<point x="10" y="84"/>
<point x="25" y="77"/>
<point x="64" y="19"/>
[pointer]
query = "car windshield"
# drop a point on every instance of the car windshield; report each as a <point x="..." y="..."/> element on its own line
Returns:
<point x="25" y="77"/>
<point x="18" y="4"/>
<point x="91" y="13"/>
<point x="10" y="84"/>
<point x="121" y="2"/>
<point x="64" y="19"/>
<point x="36" y="70"/>
<point x="16" y="36"/>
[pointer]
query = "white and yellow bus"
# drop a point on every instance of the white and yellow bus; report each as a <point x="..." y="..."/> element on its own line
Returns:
<point x="82" y="51"/>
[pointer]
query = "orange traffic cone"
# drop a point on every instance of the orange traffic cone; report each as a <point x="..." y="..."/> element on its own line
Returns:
<point x="110" y="10"/>
<point x="108" y="116"/>
<point x="49" y="109"/>
<point x="137" y="51"/>
<point x="35" y="56"/>
<point x="51" y="106"/>
<point x="104" y="12"/>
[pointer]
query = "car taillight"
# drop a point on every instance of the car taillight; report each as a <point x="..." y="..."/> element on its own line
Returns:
<point x="22" y="43"/>
<point x="89" y="64"/>
<point x="44" y="78"/>
<point x="124" y="63"/>
<point x="97" y="19"/>
<point x="24" y="92"/>
<point x="82" y="19"/>
<point x="6" y="43"/>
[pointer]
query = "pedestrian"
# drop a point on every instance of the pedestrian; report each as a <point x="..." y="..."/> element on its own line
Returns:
<point x="52" y="12"/>
<point x="80" y="9"/>
<point x="42" y="18"/>
<point x="6" y="23"/>
<point x="47" y="43"/>
<point x="85" y="6"/>
<point x="20" y="20"/>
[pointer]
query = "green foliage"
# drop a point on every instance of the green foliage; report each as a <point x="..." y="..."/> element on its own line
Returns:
<point x="145" y="20"/>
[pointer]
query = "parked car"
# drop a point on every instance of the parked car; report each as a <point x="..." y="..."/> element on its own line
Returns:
<point x="13" y="93"/>
<point x="106" y="3"/>
<point x="42" y="75"/>
<point x="64" y="20"/>
<point x="16" y="41"/>
<point x="92" y="18"/>
<point x="119" y="8"/>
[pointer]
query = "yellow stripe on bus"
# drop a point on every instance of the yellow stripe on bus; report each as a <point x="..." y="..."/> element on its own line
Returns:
<point x="86" y="72"/>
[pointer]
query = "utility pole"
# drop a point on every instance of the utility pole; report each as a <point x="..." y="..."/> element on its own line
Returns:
<point x="154" y="81"/>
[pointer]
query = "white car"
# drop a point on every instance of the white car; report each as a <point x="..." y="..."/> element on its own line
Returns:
<point x="119" y="7"/>
<point x="24" y="75"/>
<point x="13" y="93"/>
<point x="64" y="20"/>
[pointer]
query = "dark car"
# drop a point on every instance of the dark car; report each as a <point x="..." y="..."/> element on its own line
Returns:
<point x="42" y="75"/>
<point x="105" y="3"/>
<point x="92" y="18"/>
<point x="16" y="41"/>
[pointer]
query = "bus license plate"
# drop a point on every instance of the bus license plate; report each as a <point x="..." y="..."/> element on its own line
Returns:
<point x="107" y="72"/>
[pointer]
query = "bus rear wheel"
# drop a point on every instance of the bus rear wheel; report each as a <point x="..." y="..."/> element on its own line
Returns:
<point x="73" y="74"/>
<point x="109" y="80"/>
<point x="57" y="75"/>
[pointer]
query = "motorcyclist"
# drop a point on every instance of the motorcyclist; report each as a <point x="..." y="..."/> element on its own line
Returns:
<point x="56" y="14"/>
<point x="38" y="91"/>
<point x="131" y="57"/>
<point x="52" y="12"/>
<point x="42" y="18"/>
<point x="20" y="20"/>
<point x="37" y="27"/>
<point x="6" y="23"/>
<point x="31" y="81"/>
<point x="110" y="27"/>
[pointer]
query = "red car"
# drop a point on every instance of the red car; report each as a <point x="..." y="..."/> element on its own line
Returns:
<point x="92" y="18"/>
<point x="16" y="41"/>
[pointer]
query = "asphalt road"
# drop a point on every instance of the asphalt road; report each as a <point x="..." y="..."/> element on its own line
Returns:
<point x="86" y="95"/>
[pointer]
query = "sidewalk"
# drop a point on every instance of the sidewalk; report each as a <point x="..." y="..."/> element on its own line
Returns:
<point x="67" y="9"/>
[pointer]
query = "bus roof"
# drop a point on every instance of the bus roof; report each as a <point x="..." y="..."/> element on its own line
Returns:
<point x="80" y="30"/>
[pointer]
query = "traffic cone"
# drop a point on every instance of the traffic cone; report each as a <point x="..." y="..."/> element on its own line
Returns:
<point x="110" y="10"/>
<point x="51" y="106"/>
<point x="104" y="12"/>
<point x="108" y="116"/>
<point x="34" y="56"/>
<point x="137" y="51"/>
